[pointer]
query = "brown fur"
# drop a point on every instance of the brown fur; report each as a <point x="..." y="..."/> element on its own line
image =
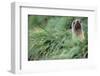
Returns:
<point x="77" y="29"/>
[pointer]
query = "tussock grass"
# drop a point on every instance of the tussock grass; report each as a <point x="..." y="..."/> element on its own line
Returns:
<point x="51" y="38"/>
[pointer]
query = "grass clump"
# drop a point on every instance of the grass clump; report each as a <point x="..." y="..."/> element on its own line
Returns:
<point x="50" y="37"/>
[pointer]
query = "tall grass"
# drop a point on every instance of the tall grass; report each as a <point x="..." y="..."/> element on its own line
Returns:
<point x="50" y="37"/>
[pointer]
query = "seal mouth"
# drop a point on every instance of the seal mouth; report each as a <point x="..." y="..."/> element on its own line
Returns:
<point x="77" y="26"/>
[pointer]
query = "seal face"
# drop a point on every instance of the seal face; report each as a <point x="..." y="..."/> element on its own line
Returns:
<point x="77" y="29"/>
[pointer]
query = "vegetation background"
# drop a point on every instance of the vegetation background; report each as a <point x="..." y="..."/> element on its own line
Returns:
<point x="50" y="37"/>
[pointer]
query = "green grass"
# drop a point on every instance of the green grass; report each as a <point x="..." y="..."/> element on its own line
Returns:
<point x="50" y="37"/>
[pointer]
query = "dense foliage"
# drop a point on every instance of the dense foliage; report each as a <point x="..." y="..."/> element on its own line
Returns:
<point x="50" y="37"/>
